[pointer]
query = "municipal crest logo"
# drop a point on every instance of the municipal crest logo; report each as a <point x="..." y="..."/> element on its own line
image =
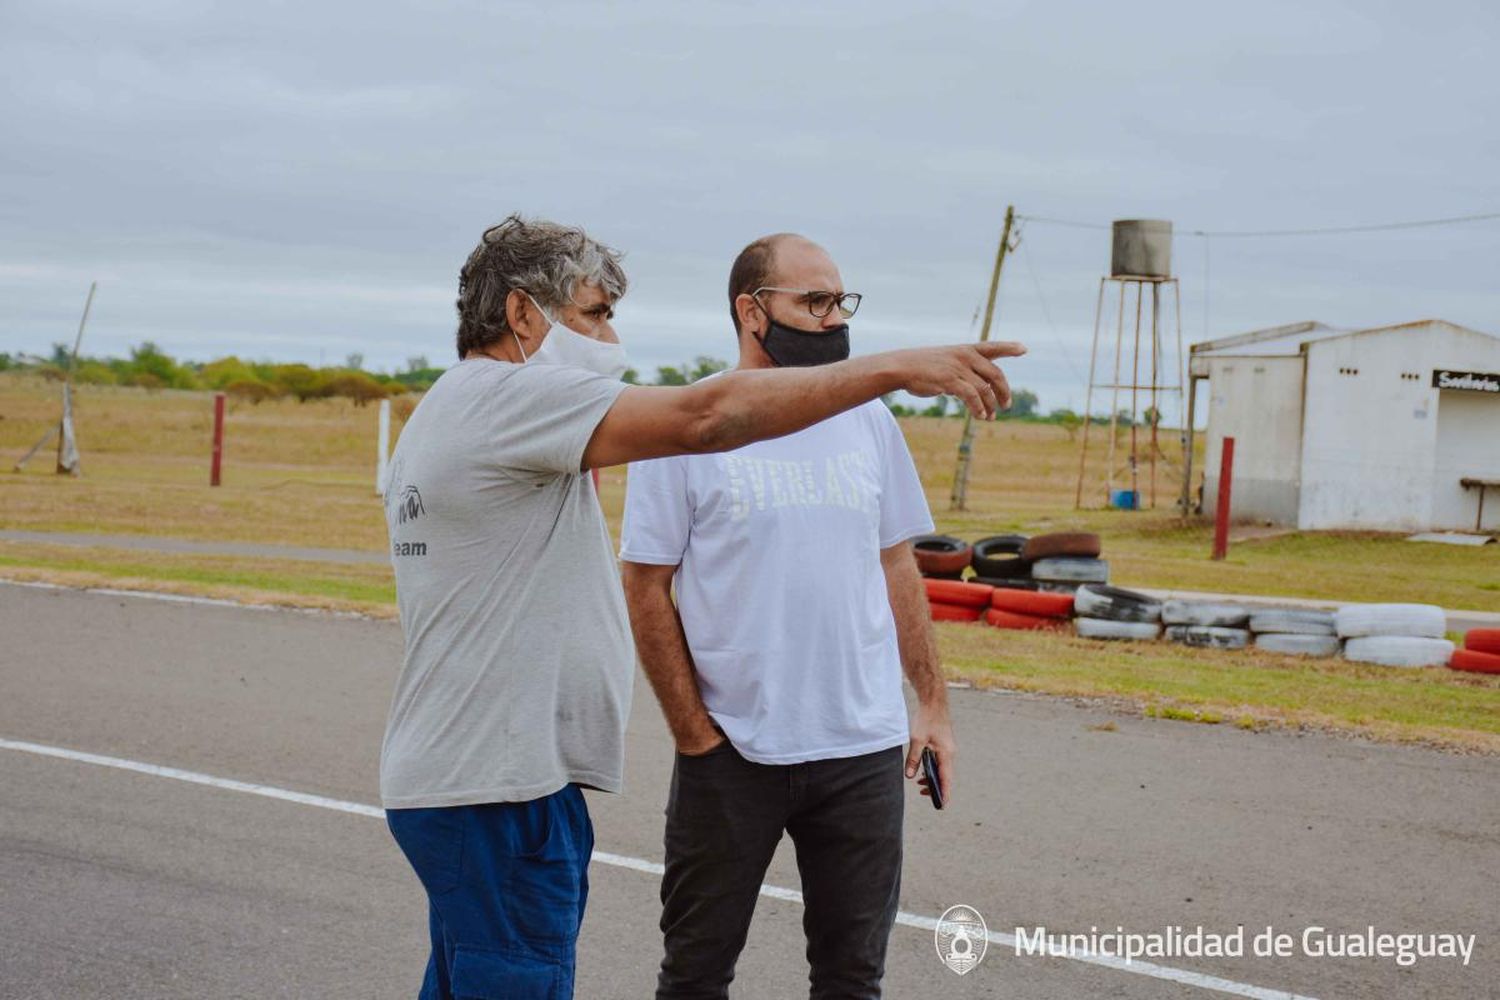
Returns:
<point x="961" y="938"/>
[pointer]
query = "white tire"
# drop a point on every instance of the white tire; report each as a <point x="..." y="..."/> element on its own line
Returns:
<point x="1294" y="644"/>
<point x="1103" y="628"/>
<point x="1100" y="600"/>
<point x="1207" y="613"/>
<point x="1067" y="569"/>
<point x="1209" y="636"/>
<point x="1421" y="620"/>
<point x="1292" y="621"/>
<point x="1398" y="650"/>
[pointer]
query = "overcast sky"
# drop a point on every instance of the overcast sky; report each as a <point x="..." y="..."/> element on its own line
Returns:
<point x="302" y="181"/>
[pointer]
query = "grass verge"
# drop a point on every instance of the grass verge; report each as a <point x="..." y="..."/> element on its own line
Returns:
<point x="368" y="590"/>
<point x="1248" y="688"/>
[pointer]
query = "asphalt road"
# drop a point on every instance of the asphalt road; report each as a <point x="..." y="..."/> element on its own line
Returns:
<point x="121" y="885"/>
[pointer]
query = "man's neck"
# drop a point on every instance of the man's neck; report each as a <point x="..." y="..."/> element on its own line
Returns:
<point x="752" y="355"/>
<point x="503" y="350"/>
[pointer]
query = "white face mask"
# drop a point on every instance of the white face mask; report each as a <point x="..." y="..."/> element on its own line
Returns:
<point x="562" y="346"/>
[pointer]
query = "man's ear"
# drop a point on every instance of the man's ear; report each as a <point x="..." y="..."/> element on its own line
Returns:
<point x="523" y="318"/>
<point x="516" y="308"/>
<point x="750" y="314"/>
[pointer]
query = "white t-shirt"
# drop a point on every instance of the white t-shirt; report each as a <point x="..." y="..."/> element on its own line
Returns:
<point x="779" y="582"/>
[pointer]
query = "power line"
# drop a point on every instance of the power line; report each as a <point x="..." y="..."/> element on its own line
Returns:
<point x="1452" y="220"/>
<point x="1047" y="314"/>
<point x="1062" y="222"/>
<point x="1373" y="228"/>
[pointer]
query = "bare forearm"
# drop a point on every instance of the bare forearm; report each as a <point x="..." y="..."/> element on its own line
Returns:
<point x="668" y="663"/>
<point x="914" y="635"/>
<point x="747" y="406"/>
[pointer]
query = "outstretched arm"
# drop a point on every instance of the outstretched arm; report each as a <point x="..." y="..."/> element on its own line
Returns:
<point x="724" y="413"/>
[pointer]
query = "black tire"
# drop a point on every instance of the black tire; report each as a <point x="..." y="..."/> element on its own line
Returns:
<point x="1007" y="582"/>
<point x="1099" y="600"/>
<point x="989" y="555"/>
<point x="944" y="576"/>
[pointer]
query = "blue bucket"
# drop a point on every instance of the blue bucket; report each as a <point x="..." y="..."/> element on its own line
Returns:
<point x="1125" y="499"/>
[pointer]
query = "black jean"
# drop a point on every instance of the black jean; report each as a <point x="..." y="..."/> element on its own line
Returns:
<point x="725" y="816"/>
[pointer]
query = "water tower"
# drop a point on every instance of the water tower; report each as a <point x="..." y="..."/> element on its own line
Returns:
<point x="1141" y="260"/>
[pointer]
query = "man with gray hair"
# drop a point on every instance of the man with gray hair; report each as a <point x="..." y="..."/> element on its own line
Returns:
<point x="516" y="681"/>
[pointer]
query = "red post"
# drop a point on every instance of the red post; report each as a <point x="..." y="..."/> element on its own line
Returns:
<point x="1221" y="516"/>
<point x="213" y="475"/>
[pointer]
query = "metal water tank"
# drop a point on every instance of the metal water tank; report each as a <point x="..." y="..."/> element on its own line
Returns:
<point x="1142" y="249"/>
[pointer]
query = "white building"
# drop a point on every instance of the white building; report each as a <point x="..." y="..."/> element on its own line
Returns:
<point x="1370" y="429"/>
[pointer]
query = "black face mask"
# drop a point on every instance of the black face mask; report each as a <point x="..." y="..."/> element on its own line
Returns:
<point x="793" y="348"/>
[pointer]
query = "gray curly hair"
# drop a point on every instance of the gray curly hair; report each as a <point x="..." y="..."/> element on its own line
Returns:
<point x="546" y="259"/>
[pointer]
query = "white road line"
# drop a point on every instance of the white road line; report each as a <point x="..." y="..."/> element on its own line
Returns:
<point x="1184" y="976"/>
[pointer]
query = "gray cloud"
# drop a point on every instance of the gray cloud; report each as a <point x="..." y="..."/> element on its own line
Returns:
<point x="302" y="180"/>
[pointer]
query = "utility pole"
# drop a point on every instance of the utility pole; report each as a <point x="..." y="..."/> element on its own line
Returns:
<point x="67" y="445"/>
<point x="966" y="443"/>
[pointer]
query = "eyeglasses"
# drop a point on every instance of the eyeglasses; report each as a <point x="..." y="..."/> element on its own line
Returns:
<point x="819" y="303"/>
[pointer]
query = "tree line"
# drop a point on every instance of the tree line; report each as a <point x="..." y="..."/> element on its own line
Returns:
<point x="149" y="367"/>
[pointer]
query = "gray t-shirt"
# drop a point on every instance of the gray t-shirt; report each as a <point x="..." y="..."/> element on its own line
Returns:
<point x="519" y="660"/>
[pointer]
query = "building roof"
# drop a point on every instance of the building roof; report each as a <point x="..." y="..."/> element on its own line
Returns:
<point x="1287" y="341"/>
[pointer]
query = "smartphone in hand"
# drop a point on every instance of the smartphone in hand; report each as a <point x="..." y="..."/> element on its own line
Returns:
<point x="930" y="771"/>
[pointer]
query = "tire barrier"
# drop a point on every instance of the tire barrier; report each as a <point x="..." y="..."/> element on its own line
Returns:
<point x="1209" y="636"/>
<point x="965" y="595"/>
<point x="953" y="612"/>
<point x="999" y="556"/>
<point x="1424" y="621"/>
<point x="1070" y="544"/>
<point x="1483" y="640"/>
<point x="1398" y="650"/>
<point x="1297" y="644"/>
<point x="1012" y="620"/>
<point x="1025" y="602"/>
<point x="1097" y="600"/>
<point x="1206" y="613"/>
<point x="941" y="554"/>
<point x="1103" y="628"/>
<point x="1005" y="583"/>
<point x="1069" y="569"/>
<point x="1474" y="661"/>
<point x="1292" y="621"/>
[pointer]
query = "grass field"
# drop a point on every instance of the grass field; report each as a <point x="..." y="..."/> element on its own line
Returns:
<point x="302" y="474"/>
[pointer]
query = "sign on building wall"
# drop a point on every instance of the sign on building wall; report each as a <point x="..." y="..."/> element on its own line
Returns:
<point x="1469" y="381"/>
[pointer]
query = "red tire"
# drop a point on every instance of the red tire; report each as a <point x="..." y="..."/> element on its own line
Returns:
<point x="1009" y="619"/>
<point x="1483" y="640"/>
<point x="1032" y="602"/>
<point x="1473" y="662"/>
<point x="1073" y="544"/>
<point x="953" y="612"/>
<point x="941" y="554"/>
<point x="967" y="595"/>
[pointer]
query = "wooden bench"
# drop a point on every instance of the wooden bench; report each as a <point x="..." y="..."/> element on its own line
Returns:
<point x="1481" y="485"/>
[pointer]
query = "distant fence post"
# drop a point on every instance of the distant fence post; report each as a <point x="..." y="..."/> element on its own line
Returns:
<point x="1221" y="516"/>
<point x="382" y="446"/>
<point x="218" y="459"/>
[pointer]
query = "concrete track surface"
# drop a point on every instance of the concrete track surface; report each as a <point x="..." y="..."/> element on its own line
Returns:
<point x="120" y="884"/>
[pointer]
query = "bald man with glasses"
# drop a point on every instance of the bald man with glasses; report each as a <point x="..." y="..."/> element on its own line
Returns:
<point x="779" y="666"/>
